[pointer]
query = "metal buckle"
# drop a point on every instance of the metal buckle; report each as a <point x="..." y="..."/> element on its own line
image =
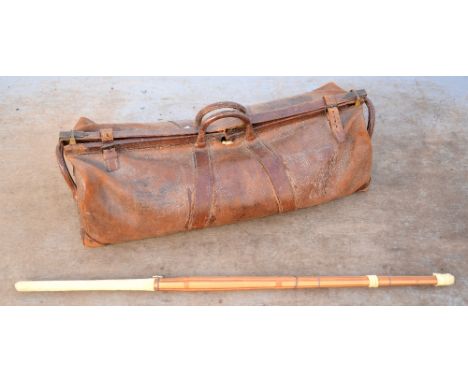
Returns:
<point x="72" y="140"/>
<point x="358" y="98"/>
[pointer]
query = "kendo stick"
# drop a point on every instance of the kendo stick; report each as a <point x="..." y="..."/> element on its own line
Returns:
<point x="200" y="284"/>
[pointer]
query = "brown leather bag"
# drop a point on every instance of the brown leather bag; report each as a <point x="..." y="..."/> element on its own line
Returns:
<point x="133" y="181"/>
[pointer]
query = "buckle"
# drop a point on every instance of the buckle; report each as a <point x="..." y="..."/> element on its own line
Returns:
<point x="358" y="97"/>
<point x="72" y="140"/>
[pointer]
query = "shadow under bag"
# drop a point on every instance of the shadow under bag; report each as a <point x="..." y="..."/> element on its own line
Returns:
<point x="232" y="163"/>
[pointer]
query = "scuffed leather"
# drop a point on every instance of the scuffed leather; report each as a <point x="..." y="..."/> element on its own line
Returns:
<point x="163" y="182"/>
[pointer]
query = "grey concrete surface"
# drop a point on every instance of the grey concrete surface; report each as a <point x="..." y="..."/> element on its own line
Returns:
<point x="413" y="220"/>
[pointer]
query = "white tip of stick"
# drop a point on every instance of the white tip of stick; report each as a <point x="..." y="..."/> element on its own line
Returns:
<point x="85" y="285"/>
<point x="19" y="286"/>
<point x="444" y="279"/>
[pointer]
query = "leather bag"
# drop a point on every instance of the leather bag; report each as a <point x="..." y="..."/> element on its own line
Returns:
<point x="231" y="163"/>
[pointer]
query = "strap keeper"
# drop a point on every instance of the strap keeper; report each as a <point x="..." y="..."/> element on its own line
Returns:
<point x="109" y="152"/>
<point x="106" y="135"/>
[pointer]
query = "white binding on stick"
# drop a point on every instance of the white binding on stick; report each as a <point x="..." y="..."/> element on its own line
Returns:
<point x="373" y="281"/>
<point x="444" y="279"/>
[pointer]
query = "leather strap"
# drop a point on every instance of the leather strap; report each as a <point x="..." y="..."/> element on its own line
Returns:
<point x="111" y="159"/>
<point x="204" y="182"/>
<point x="334" y="119"/>
<point x="109" y="152"/>
<point x="276" y="171"/>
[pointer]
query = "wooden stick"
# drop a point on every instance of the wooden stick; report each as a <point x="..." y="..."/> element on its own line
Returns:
<point x="198" y="284"/>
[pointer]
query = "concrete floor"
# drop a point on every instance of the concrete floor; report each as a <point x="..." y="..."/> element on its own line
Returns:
<point x="414" y="219"/>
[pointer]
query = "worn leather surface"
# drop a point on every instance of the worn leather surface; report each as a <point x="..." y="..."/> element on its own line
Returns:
<point x="133" y="181"/>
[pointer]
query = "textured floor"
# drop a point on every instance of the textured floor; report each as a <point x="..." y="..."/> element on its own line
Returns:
<point x="414" y="219"/>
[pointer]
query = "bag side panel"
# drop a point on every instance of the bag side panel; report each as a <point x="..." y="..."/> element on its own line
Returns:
<point x="149" y="195"/>
<point x="320" y="168"/>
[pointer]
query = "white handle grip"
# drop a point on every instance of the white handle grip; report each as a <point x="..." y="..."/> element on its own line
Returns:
<point x="86" y="285"/>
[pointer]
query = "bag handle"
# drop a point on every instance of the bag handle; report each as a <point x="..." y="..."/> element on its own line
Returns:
<point x="249" y="131"/>
<point x="371" y="116"/>
<point x="218" y="105"/>
<point x="64" y="168"/>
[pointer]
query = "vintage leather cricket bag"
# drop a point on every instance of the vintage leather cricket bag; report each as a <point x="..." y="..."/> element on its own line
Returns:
<point x="134" y="181"/>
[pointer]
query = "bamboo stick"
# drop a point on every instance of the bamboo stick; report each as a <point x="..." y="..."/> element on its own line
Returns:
<point x="199" y="284"/>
